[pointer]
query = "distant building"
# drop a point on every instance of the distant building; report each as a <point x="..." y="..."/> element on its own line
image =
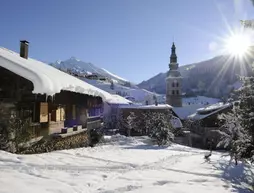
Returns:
<point x="174" y="81"/>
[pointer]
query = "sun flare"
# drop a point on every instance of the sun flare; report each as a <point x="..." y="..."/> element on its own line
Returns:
<point x="237" y="45"/>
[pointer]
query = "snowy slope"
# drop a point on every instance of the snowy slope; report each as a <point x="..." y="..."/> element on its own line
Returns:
<point x="120" y="84"/>
<point x="199" y="100"/>
<point x="76" y="65"/>
<point x="122" y="165"/>
<point x="115" y="76"/>
<point x="140" y="95"/>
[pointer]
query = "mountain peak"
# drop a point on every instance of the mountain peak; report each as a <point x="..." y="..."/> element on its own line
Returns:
<point x="74" y="58"/>
<point x="76" y="65"/>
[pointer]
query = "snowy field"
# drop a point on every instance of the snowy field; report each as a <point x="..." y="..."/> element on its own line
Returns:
<point x="122" y="165"/>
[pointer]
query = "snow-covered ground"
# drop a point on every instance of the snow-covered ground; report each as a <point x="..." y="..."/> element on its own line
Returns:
<point x="121" y="165"/>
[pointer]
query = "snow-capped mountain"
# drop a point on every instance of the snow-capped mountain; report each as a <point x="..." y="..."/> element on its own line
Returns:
<point x="134" y="94"/>
<point x="77" y="66"/>
<point x="108" y="81"/>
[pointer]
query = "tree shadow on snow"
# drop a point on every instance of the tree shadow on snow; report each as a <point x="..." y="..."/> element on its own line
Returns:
<point x="239" y="176"/>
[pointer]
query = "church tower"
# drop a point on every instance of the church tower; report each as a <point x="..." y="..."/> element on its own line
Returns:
<point x="174" y="81"/>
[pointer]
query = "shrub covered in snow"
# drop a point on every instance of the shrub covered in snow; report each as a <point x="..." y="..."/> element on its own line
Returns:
<point x="128" y="124"/>
<point x="95" y="137"/>
<point x="131" y="121"/>
<point x="159" y="127"/>
<point x="14" y="130"/>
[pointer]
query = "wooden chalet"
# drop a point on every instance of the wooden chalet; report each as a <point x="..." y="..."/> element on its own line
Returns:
<point x="53" y="101"/>
<point x="206" y="124"/>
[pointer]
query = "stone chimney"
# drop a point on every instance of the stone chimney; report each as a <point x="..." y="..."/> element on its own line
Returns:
<point x="24" y="49"/>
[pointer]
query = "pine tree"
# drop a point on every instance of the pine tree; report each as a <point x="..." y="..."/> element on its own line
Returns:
<point x="234" y="136"/>
<point x="159" y="127"/>
<point x="237" y="127"/>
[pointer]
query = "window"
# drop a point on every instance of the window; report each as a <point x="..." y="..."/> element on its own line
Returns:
<point x="173" y="92"/>
<point x="177" y="92"/>
<point x="175" y="83"/>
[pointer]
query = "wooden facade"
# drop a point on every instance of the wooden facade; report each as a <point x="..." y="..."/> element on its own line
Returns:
<point x="47" y="114"/>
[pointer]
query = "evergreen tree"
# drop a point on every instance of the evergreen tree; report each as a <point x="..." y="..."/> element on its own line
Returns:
<point x="158" y="127"/>
<point x="238" y="125"/>
<point x="234" y="136"/>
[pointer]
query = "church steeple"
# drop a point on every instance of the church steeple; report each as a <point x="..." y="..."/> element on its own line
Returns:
<point x="174" y="81"/>
<point x="173" y="57"/>
<point x="173" y="65"/>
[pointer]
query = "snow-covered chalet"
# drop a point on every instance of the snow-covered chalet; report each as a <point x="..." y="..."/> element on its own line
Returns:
<point x="53" y="101"/>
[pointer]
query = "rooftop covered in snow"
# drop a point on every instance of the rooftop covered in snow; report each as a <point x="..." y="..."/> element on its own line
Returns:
<point x="184" y="111"/>
<point x="117" y="99"/>
<point x="159" y="106"/>
<point x="209" y="110"/>
<point x="45" y="78"/>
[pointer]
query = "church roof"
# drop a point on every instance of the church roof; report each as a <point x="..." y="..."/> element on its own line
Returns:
<point x="174" y="73"/>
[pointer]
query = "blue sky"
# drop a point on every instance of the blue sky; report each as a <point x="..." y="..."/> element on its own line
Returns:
<point x="131" y="38"/>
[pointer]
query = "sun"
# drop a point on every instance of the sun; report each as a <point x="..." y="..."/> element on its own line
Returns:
<point x="237" y="45"/>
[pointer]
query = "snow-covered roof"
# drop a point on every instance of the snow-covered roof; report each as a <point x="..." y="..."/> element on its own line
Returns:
<point x="45" y="78"/>
<point x="209" y="110"/>
<point x="159" y="106"/>
<point x="185" y="111"/>
<point x="116" y="99"/>
<point x="191" y="104"/>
